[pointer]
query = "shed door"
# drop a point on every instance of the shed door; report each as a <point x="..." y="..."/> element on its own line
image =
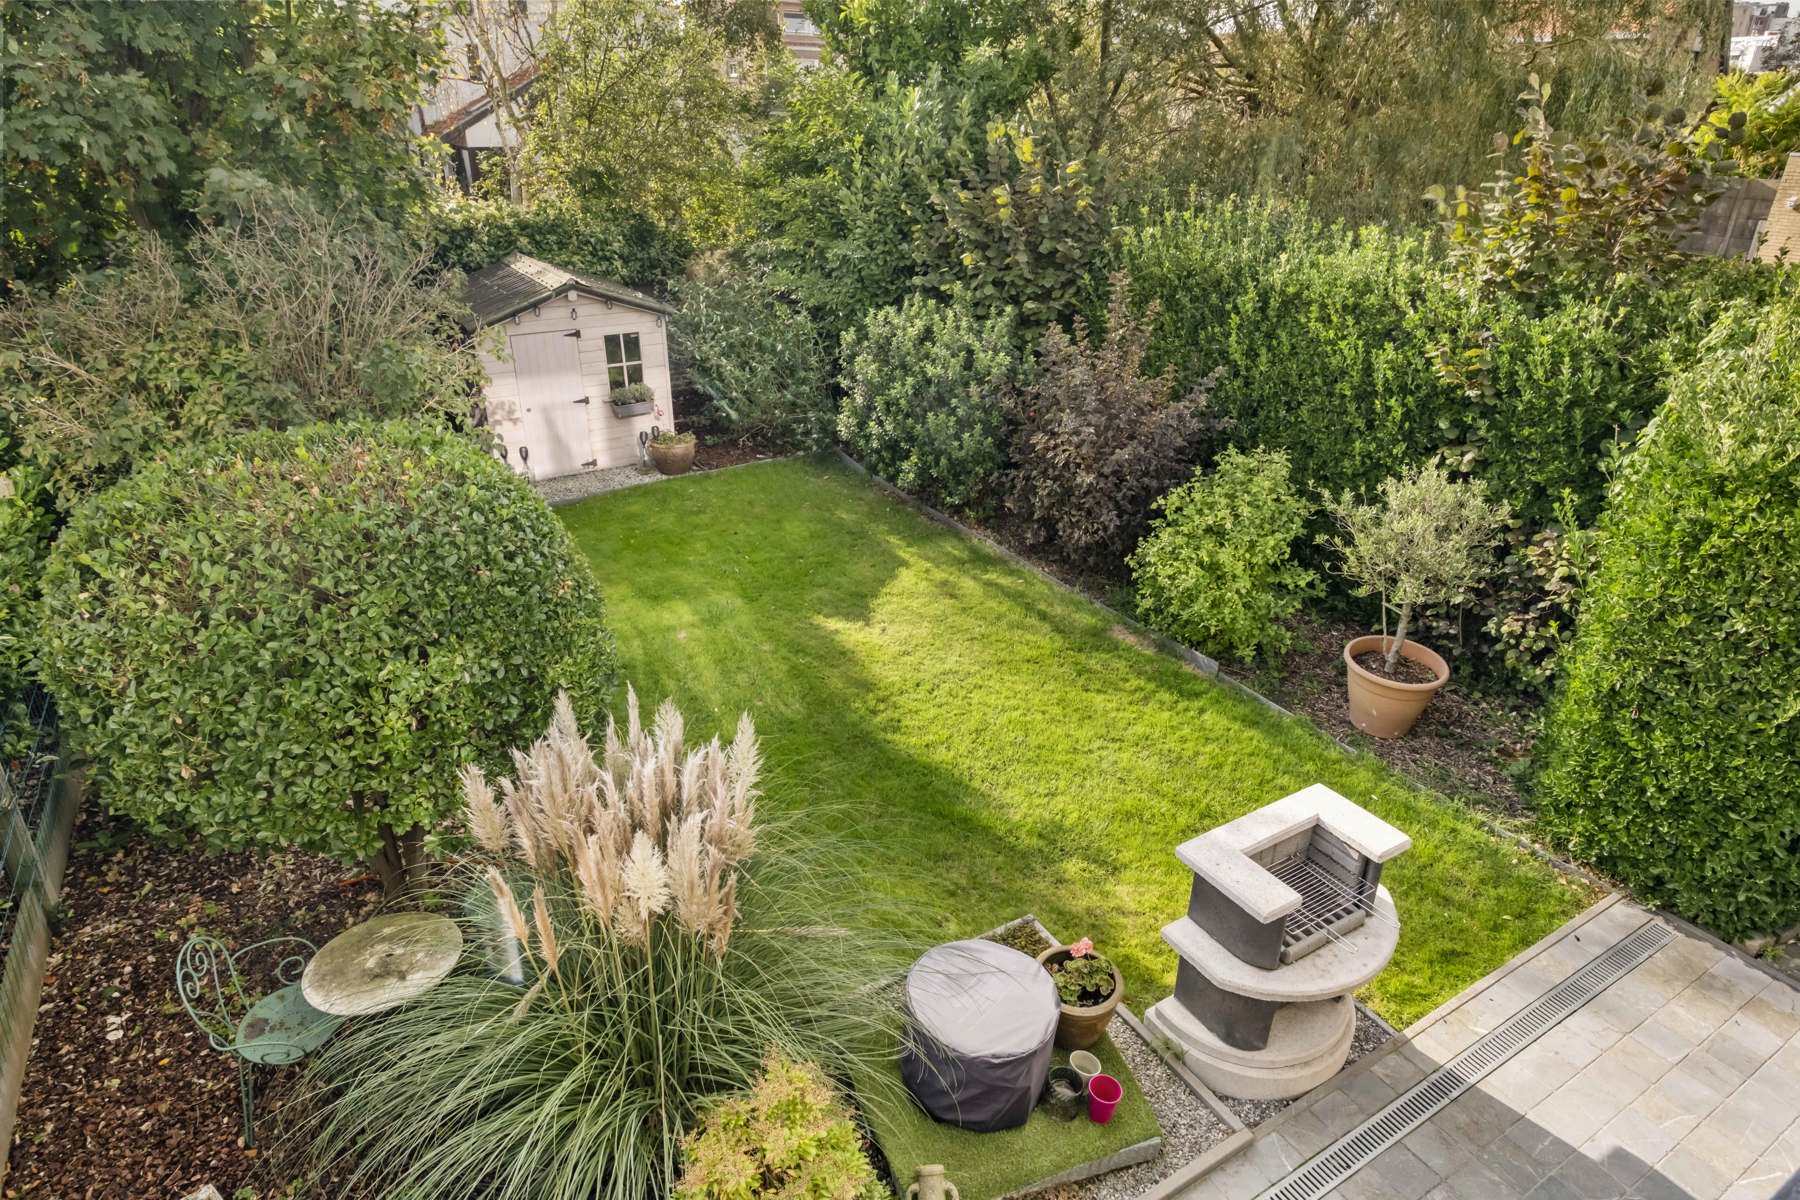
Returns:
<point x="553" y="413"/>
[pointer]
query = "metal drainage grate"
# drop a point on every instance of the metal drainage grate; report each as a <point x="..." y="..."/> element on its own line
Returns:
<point x="1343" y="1158"/>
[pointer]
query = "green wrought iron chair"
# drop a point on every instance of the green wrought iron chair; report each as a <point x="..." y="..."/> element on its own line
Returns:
<point x="271" y="1030"/>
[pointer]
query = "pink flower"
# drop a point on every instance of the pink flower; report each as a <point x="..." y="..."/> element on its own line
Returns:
<point x="1082" y="949"/>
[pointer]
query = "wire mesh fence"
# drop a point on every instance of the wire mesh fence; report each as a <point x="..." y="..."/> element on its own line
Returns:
<point x="28" y="773"/>
<point x="38" y="799"/>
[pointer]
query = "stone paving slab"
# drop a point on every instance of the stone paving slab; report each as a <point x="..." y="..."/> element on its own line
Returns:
<point x="1680" y="1081"/>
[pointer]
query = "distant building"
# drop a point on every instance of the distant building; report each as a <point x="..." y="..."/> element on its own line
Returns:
<point x="1781" y="235"/>
<point x="460" y="111"/>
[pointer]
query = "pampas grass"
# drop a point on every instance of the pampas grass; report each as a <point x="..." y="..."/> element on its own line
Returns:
<point x="672" y="940"/>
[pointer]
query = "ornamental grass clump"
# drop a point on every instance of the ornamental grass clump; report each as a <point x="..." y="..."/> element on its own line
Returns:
<point x="652" y="941"/>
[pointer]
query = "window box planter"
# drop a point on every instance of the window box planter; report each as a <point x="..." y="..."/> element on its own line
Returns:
<point x="624" y="411"/>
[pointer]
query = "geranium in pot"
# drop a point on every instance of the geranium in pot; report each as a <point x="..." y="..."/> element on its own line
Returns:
<point x="673" y="453"/>
<point x="1426" y="542"/>
<point x="1090" y="988"/>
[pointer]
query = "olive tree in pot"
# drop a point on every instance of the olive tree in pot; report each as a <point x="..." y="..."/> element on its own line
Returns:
<point x="1425" y="542"/>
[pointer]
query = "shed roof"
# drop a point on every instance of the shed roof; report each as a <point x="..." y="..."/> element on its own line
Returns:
<point x="518" y="282"/>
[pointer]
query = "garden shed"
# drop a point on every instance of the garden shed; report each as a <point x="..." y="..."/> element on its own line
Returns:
<point x="573" y="342"/>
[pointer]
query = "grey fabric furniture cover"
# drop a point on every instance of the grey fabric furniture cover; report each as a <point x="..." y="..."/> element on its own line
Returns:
<point x="980" y="1020"/>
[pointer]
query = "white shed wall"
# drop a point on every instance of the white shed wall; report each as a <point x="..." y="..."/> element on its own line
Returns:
<point x="613" y="442"/>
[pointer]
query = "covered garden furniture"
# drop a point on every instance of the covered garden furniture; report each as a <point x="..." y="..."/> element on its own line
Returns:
<point x="273" y="1029"/>
<point x="980" y="1020"/>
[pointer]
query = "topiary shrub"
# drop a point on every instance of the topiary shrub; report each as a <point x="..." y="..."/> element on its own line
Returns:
<point x="296" y="638"/>
<point x="1098" y="441"/>
<point x="788" y="1138"/>
<point x="1668" y="757"/>
<point x="924" y="403"/>
<point x="1216" y="570"/>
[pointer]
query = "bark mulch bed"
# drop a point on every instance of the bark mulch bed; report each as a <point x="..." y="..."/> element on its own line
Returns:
<point x="123" y="1098"/>
<point x="1466" y="745"/>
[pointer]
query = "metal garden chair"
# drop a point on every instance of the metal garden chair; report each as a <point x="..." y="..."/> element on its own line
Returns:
<point x="271" y="1030"/>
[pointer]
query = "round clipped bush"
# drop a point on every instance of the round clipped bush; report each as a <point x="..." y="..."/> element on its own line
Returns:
<point x="923" y="400"/>
<point x="1216" y="569"/>
<point x="1670" y="754"/>
<point x="296" y="638"/>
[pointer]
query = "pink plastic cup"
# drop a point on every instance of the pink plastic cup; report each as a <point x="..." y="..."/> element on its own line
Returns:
<point x="1104" y="1094"/>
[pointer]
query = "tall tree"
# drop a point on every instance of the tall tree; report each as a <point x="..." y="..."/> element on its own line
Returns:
<point x="644" y="106"/>
<point x="147" y="115"/>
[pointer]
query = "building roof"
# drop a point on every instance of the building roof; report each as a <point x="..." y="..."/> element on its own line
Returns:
<point x="518" y="282"/>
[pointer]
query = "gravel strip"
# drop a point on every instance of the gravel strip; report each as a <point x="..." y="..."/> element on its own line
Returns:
<point x="1369" y="1035"/>
<point x="1190" y="1128"/>
<point x="566" y="489"/>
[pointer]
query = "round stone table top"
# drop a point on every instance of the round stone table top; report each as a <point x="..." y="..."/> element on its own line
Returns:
<point x="982" y="999"/>
<point x="381" y="964"/>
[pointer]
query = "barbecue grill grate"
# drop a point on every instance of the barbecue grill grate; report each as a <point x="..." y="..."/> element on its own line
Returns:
<point x="1329" y="905"/>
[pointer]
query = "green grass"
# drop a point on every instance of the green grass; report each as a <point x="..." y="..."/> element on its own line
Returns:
<point x="988" y="742"/>
<point x="984" y="1166"/>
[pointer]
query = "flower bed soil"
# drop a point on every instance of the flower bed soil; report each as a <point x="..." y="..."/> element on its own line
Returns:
<point x="1466" y="745"/>
<point x="1405" y="669"/>
<point x="123" y="1098"/>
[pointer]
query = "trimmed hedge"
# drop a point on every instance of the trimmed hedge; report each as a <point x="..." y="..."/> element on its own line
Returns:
<point x="1671" y="756"/>
<point x="1332" y="341"/>
<point x="619" y="245"/>
<point x="297" y="638"/>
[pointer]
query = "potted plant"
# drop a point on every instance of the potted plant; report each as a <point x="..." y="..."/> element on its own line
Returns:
<point x="673" y="453"/>
<point x="632" y="400"/>
<point x="1091" y="989"/>
<point x="1426" y="542"/>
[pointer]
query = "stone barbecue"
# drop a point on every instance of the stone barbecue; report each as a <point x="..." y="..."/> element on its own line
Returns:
<point x="1287" y="917"/>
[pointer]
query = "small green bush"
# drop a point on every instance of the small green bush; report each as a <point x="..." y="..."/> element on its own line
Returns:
<point x="925" y="387"/>
<point x="1217" y="570"/>
<point x="296" y="638"/>
<point x="788" y="1138"/>
<point x="1098" y="441"/>
<point x="1669" y="752"/>
<point x="756" y="360"/>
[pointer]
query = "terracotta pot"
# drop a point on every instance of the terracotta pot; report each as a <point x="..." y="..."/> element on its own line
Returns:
<point x="1077" y="1027"/>
<point x="1386" y="708"/>
<point x="672" y="458"/>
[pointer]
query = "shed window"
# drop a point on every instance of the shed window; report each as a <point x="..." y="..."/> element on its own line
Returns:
<point x="624" y="359"/>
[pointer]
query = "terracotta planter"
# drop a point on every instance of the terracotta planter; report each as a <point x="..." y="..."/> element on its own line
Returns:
<point x="1077" y="1027"/>
<point x="1386" y="708"/>
<point x="673" y="458"/>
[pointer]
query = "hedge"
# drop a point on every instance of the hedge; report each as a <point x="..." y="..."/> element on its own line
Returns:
<point x="1671" y="755"/>
<point x="297" y="638"/>
<point x="614" y="244"/>
<point x="1331" y="340"/>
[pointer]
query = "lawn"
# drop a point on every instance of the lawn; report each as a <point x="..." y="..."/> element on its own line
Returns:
<point x="982" y="743"/>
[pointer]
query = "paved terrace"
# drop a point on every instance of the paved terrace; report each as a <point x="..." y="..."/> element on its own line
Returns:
<point x="1680" y="1080"/>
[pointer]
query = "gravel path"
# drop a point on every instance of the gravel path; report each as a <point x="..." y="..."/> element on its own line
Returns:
<point x="566" y="489"/>
<point x="1369" y="1034"/>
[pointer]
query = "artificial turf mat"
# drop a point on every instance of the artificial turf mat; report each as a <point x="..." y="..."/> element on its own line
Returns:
<point x="986" y="1166"/>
